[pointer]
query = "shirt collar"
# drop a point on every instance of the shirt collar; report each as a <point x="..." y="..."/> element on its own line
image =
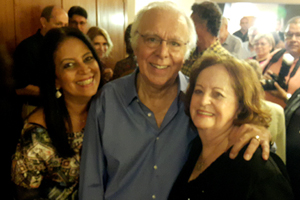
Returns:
<point x="132" y="91"/>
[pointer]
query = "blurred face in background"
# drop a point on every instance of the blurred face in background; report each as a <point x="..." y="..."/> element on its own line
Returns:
<point x="262" y="47"/>
<point x="244" y="23"/>
<point x="79" y="22"/>
<point x="58" y="19"/>
<point x="292" y="39"/>
<point x="101" y="45"/>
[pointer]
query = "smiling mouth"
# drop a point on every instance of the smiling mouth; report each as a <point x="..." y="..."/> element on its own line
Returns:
<point x="204" y="113"/>
<point x="159" y="66"/>
<point x="85" y="82"/>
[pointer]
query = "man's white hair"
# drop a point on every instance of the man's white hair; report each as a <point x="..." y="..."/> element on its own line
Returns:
<point x="167" y="6"/>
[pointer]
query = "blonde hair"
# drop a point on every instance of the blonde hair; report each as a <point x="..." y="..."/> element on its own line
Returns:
<point x="95" y="31"/>
<point x="269" y="37"/>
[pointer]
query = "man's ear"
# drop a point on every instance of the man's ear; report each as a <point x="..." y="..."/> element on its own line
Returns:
<point x="43" y="21"/>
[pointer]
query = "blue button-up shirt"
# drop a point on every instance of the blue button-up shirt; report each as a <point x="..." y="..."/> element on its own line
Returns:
<point x="125" y="154"/>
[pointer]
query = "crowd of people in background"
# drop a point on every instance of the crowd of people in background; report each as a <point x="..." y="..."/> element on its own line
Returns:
<point x="189" y="113"/>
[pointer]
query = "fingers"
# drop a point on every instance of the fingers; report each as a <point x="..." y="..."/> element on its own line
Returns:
<point x="256" y="135"/>
<point x="254" y="144"/>
<point x="242" y="141"/>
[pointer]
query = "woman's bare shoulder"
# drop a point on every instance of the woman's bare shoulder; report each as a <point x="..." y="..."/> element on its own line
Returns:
<point x="37" y="117"/>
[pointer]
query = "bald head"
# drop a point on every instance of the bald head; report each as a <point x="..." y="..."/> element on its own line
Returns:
<point x="53" y="17"/>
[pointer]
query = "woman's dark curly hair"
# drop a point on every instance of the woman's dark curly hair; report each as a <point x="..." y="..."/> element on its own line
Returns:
<point x="56" y="114"/>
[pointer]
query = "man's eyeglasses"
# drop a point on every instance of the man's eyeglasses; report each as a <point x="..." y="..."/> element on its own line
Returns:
<point x="289" y="36"/>
<point x="153" y="41"/>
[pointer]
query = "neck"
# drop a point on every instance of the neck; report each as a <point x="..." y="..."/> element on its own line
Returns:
<point x="157" y="99"/>
<point x="214" y="144"/>
<point x="296" y="56"/>
<point x="43" y="32"/>
<point x="243" y="31"/>
<point x="78" y="113"/>
<point x="206" y="42"/>
<point x="149" y="91"/>
<point x="261" y="57"/>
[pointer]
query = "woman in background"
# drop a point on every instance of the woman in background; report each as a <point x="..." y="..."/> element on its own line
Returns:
<point x="46" y="162"/>
<point x="263" y="46"/>
<point x="103" y="46"/>
<point x="225" y="93"/>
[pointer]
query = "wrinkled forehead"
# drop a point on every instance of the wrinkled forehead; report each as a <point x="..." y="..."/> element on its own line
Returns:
<point x="165" y="23"/>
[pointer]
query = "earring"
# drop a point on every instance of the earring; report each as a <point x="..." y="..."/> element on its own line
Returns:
<point x="58" y="93"/>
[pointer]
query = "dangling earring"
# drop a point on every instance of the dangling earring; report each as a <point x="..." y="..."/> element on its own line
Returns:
<point x="58" y="93"/>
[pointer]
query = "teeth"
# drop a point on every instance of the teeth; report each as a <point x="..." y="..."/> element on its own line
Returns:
<point x="159" y="66"/>
<point x="204" y="113"/>
<point x="86" y="82"/>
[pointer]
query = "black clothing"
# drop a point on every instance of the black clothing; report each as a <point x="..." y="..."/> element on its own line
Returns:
<point x="26" y="68"/>
<point x="233" y="179"/>
<point x="292" y="119"/>
<point x="239" y="34"/>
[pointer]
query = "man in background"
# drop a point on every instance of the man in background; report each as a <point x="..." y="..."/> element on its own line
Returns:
<point x="207" y="19"/>
<point x="230" y="42"/>
<point x="26" y="69"/>
<point x="243" y="32"/>
<point x="78" y="18"/>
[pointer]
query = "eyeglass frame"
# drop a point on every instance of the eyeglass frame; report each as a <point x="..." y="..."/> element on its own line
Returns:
<point x="181" y="43"/>
<point x="291" y="36"/>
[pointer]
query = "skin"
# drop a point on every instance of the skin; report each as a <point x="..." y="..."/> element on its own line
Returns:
<point x="157" y="81"/>
<point x="157" y="86"/>
<point x="101" y="45"/>
<point x="262" y="48"/>
<point x="292" y="46"/>
<point x="244" y="23"/>
<point x="79" y="22"/>
<point x="214" y="106"/>
<point x="77" y="71"/>
<point x="73" y="63"/>
<point x="58" y="19"/>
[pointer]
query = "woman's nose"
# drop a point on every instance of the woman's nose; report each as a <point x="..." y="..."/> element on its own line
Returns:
<point x="84" y="68"/>
<point x="205" y="99"/>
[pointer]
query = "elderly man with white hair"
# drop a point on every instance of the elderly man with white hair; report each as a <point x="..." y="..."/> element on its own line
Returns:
<point x="137" y="135"/>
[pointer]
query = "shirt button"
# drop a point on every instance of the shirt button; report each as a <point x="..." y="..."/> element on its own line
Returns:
<point x="157" y="138"/>
<point x="155" y="167"/>
<point x="153" y="197"/>
<point x="137" y="100"/>
<point x="149" y="114"/>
